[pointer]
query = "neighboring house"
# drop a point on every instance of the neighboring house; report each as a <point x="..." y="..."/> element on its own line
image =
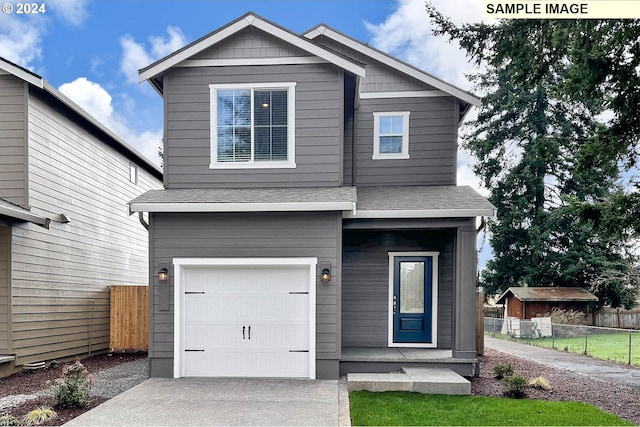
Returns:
<point x="530" y="302"/>
<point x="65" y="230"/>
<point x="310" y="223"/>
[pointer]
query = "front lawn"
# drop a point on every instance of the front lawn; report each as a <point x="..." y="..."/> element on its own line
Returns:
<point x="611" y="346"/>
<point x="406" y="409"/>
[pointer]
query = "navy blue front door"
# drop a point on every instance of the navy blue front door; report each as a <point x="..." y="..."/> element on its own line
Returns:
<point x="412" y="290"/>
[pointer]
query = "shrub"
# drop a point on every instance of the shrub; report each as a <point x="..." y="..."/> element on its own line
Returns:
<point x="7" y="419"/>
<point x="39" y="416"/>
<point x="540" y="383"/>
<point x="566" y="317"/>
<point x="515" y="385"/>
<point x="502" y="370"/>
<point x="71" y="390"/>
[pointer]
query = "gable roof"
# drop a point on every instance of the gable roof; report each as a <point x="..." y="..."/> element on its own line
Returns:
<point x="118" y="143"/>
<point x="548" y="294"/>
<point x="249" y="20"/>
<point x="324" y="30"/>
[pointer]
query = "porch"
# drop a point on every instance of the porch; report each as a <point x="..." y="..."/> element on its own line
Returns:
<point x="386" y="359"/>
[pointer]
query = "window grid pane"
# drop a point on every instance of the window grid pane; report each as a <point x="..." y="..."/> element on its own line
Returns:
<point x="270" y="125"/>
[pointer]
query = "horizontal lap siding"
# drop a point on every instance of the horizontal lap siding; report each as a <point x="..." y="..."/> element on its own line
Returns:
<point x="13" y="164"/>
<point x="365" y="282"/>
<point x="432" y="143"/>
<point x="5" y="241"/>
<point x="248" y="235"/>
<point x="61" y="275"/>
<point x="318" y="126"/>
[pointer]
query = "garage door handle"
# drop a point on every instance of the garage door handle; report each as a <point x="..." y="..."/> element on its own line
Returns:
<point x="243" y="332"/>
<point x="249" y="331"/>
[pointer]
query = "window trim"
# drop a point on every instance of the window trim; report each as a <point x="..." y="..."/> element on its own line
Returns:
<point x="404" y="154"/>
<point x="252" y="164"/>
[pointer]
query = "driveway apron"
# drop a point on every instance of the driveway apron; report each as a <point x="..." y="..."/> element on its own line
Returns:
<point x="223" y="401"/>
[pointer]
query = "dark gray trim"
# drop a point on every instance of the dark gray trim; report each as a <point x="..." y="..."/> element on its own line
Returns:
<point x="327" y="369"/>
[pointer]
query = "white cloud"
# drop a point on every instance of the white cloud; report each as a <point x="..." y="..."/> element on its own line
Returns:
<point x="72" y="11"/>
<point x="135" y="55"/>
<point x="21" y="35"/>
<point x="98" y="102"/>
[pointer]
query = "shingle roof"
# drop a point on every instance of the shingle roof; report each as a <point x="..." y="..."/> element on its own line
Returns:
<point x="552" y="294"/>
<point x="369" y="202"/>
<point x="437" y="197"/>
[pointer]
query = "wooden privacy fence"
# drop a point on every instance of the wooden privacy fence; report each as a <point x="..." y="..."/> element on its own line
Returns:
<point x="618" y="318"/>
<point x="128" y="322"/>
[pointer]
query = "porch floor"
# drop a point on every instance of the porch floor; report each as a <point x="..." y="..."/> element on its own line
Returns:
<point x="386" y="359"/>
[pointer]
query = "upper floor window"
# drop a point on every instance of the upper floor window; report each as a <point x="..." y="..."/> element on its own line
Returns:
<point x="133" y="173"/>
<point x="253" y="126"/>
<point x="391" y="135"/>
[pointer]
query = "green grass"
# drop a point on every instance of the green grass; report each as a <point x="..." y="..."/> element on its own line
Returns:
<point x="407" y="409"/>
<point x="613" y="346"/>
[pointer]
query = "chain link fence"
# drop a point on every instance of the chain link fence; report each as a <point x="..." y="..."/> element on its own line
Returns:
<point x="616" y="345"/>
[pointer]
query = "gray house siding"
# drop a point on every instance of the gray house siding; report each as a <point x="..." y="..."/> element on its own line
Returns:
<point x="60" y="276"/>
<point x="13" y="142"/>
<point x="246" y="235"/>
<point x="365" y="282"/>
<point x="318" y="122"/>
<point x="5" y="308"/>
<point x="432" y="143"/>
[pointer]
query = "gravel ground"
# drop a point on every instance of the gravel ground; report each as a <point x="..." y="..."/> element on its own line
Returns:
<point x="115" y="374"/>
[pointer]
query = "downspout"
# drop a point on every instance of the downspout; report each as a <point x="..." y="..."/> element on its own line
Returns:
<point x="354" y="135"/>
<point x="144" y="223"/>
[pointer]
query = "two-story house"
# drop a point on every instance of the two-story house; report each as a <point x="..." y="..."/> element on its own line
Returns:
<point x="310" y="223"/>
<point x="65" y="231"/>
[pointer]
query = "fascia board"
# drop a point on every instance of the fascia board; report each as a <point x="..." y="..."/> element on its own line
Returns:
<point x="240" y="207"/>
<point x="162" y="65"/>
<point x="389" y="60"/>
<point x="24" y="216"/>
<point x="22" y="74"/>
<point x="419" y="213"/>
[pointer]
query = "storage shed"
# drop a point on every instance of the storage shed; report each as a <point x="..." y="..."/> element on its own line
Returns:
<point x="530" y="302"/>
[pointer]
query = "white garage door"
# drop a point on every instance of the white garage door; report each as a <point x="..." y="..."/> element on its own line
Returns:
<point x="247" y="321"/>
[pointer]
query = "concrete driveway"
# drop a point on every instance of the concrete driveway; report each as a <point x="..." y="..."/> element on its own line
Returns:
<point x="222" y="401"/>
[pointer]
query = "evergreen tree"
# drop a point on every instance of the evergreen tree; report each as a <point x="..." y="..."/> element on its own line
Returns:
<point x="532" y="139"/>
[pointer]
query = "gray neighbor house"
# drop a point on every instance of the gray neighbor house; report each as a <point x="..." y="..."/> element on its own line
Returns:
<point x="65" y="231"/>
<point x="310" y="223"/>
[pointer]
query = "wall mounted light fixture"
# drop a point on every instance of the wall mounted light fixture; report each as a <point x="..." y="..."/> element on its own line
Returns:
<point x="326" y="273"/>
<point x="163" y="274"/>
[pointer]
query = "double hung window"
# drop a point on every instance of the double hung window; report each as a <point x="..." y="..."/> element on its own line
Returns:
<point x="391" y="135"/>
<point x="253" y="126"/>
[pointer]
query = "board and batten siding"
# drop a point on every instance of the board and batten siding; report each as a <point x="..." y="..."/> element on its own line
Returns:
<point x="432" y="143"/>
<point x="245" y="235"/>
<point x="13" y="142"/>
<point x="5" y="309"/>
<point x="365" y="282"/>
<point x="60" y="276"/>
<point x="318" y="121"/>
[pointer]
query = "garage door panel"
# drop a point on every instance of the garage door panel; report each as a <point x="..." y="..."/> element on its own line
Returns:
<point x="273" y="302"/>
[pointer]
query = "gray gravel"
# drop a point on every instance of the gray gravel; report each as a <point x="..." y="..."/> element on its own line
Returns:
<point x="111" y="382"/>
<point x="107" y="383"/>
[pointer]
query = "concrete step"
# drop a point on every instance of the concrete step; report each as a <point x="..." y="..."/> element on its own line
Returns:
<point x="419" y="380"/>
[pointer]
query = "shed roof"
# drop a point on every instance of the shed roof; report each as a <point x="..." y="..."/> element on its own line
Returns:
<point x="549" y="294"/>
<point x="15" y="212"/>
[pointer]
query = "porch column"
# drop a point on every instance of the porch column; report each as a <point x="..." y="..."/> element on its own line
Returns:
<point x="464" y="331"/>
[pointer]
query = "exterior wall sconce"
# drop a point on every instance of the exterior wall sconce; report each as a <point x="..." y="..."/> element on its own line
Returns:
<point x="163" y="274"/>
<point x="326" y="274"/>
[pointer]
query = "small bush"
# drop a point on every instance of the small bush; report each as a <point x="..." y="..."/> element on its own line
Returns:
<point x="502" y="370"/>
<point x="7" y="419"/>
<point x="515" y="385"/>
<point x="540" y="383"/>
<point x="71" y="390"/>
<point x="39" y="416"/>
<point x="566" y="317"/>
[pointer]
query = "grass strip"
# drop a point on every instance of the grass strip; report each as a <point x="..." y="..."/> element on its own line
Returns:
<point x="410" y="409"/>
